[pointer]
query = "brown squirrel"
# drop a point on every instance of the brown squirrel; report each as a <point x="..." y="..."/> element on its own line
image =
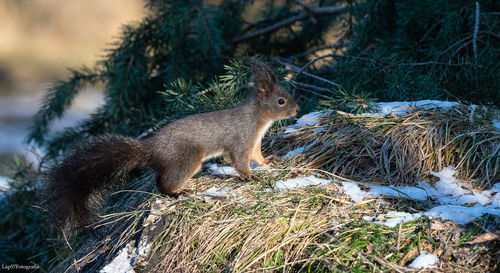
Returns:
<point x="75" y="188"/>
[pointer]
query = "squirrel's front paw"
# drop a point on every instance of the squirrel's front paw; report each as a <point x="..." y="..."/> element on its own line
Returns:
<point x="246" y="177"/>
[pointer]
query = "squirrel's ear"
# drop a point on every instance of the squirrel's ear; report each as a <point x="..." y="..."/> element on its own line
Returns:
<point x="264" y="77"/>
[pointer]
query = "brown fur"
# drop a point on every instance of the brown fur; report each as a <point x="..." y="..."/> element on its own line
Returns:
<point x="176" y="153"/>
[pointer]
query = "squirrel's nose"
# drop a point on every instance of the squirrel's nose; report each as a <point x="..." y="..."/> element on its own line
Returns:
<point x="297" y="109"/>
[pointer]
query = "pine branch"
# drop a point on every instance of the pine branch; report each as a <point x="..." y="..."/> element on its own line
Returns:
<point x="57" y="99"/>
<point x="316" y="11"/>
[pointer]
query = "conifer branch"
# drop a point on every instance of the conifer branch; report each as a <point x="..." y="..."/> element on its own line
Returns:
<point x="316" y="11"/>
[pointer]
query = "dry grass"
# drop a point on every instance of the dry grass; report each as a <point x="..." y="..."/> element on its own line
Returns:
<point x="401" y="149"/>
<point x="315" y="229"/>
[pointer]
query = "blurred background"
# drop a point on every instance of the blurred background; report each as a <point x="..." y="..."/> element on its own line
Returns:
<point x="39" y="40"/>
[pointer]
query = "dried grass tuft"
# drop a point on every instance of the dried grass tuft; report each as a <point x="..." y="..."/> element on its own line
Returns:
<point x="401" y="149"/>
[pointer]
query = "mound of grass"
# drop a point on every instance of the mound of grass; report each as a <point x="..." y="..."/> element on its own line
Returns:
<point x="400" y="149"/>
<point x="253" y="229"/>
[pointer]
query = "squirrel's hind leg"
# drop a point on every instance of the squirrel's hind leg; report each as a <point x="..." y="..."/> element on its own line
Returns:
<point x="172" y="175"/>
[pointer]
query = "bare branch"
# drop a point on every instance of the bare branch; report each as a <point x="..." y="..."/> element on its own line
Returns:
<point x="476" y="30"/>
<point x="305" y="53"/>
<point x="314" y="87"/>
<point x="307" y="8"/>
<point x="301" y="71"/>
<point x="435" y="63"/>
<point x="297" y="69"/>
<point x="317" y="11"/>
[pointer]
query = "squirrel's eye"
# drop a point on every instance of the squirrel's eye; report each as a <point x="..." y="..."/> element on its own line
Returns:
<point x="281" y="101"/>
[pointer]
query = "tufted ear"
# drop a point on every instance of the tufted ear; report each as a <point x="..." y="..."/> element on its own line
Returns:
<point x="264" y="77"/>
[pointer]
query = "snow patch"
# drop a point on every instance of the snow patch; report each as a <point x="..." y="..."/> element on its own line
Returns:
<point x="397" y="217"/>
<point x="399" y="191"/>
<point x="300" y="182"/>
<point x="353" y="190"/>
<point x="121" y="263"/>
<point x="403" y="107"/>
<point x="215" y="191"/>
<point x="368" y="218"/>
<point x="496" y="123"/>
<point x="225" y="170"/>
<point x="126" y="258"/>
<point x="460" y="214"/>
<point x="310" y="119"/>
<point x="220" y="170"/>
<point x="295" y="152"/>
<point x="424" y="260"/>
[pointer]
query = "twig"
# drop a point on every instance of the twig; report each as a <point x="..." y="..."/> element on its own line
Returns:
<point x="305" y="53"/>
<point x="452" y="46"/>
<point x="476" y="30"/>
<point x="435" y="63"/>
<point x="307" y="8"/>
<point x="314" y="87"/>
<point x="257" y="23"/>
<point x="491" y="33"/>
<point x="313" y="92"/>
<point x="321" y="11"/>
<point x="297" y="69"/>
<point x="335" y="56"/>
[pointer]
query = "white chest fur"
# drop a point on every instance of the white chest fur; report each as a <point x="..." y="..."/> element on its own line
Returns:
<point x="262" y="131"/>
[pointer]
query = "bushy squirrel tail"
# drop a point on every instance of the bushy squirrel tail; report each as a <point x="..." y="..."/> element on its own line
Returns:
<point x="75" y="189"/>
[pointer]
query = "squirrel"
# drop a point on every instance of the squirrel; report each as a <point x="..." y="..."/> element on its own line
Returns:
<point x="75" y="188"/>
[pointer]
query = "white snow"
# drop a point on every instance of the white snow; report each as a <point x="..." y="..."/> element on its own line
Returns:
<point x="121" y="263"/>
<point x="396" y="217"/>
<point x="496" y="123"/>
<point x="399" y="191"/>
<point x="424" y="260"/>
<point x="310" y="119"/>
<point x="368" y="218"/>
<point x="224" y="170"/>
<point x="353" y="190"/>
<point x="460" y="214"/>
<point x="221" y="170"/>
<point x="295" y="152"/>
<point x="124" y="261"/>
<point x="300" y="182"/>
<point x="215" y="191"/>
<point x="402" y="107"/>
